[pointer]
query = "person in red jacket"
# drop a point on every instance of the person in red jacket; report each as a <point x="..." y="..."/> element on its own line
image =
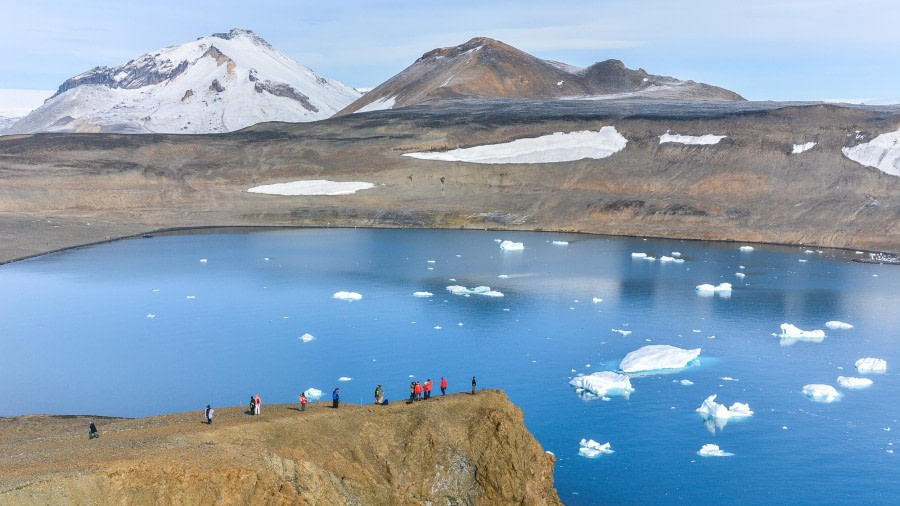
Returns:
<point x="428" y="384"/>
<point x="418" y="391"/>
<point x="303" y="401"/>
<point x="443" y="386"/>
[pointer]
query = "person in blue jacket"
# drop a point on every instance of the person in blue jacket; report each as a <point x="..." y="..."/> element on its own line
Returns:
<point x="336" y="397"/>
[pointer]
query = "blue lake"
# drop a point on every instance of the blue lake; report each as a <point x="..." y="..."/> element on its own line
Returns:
<point x="143" y="327"/>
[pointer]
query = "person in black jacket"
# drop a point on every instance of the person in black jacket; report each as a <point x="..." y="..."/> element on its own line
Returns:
<point x="473" y="385"/>
<point x="93" y="432"/>
<point x="336" y="397"/>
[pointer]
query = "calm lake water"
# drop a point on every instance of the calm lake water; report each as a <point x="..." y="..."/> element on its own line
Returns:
<point x="148" y="326"/>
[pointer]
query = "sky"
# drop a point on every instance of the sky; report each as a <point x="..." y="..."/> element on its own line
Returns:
<point x="839" y="50"/>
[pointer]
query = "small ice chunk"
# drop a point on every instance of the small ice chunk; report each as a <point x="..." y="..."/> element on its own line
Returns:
<point x="498" y="240"/>
<point x="151" y="315"/>
<point x="422" y="294"/>
<point x="802" y="260"/>
<point x="665" y="258"/>
<point x="191" y="297"/>
<point x="686" y="382"/>
<point x="591" y="449"/>
<point x="835" y="325"/>
<point x="438" y="327"/>
<point x="711" y="450"/>
<point x="203" y="260"/>
<point x="740" y="275"/>
<point x="623" y="332"/>
<point x="858" y="252"/>
<point x="821" y="393"/>
<point x="676" y="254"/>
<point x="503" y="276"/>
<point x="871" y="366"/>
<point x="790" y="331"/>
<point x="561" y="243"/>
<point x="596" y="300"/>
<point x="307" y="337"/>
<point x="348" y="296"/>
<point x="478" y="290"/>
<point x="313" y="393"/>
<point x="638" y="255"/>
<point x="746" y="248"/>
<point x="345" y="378"/>
<point x="717" y="415"/>
<point x="727" y="378"/>
<point x="707" y="288"/>
<point x="601" y="384"/>
<point x="431" y="261"/>
<point x="656" y="357"/>
<point x="459" y="324"/>
<point x="512" y="246"/>
<point x="851" y="383"/>
<point x="808" y="252"/>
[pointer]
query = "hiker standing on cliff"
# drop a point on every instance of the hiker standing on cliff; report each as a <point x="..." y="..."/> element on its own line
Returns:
<point x="418" y="391"/>
<point x="473" y="385"/>
<point x="209" y="414"/>
<point x="428" y="384"/>
<point x="379" y="394"/>
<point x="443" y="385"/>
<point x="93" y="431"/>
<point x="252" y="405"/>
<point x="258" y="404"/>
<point x="336" y="397"/>
<point x="412" y="391"/>
<point x="302" y="401"/>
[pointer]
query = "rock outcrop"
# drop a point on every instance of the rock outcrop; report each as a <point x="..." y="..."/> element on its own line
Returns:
<point x="459" y="449"/>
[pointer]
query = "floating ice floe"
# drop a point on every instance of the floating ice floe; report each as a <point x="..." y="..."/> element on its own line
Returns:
<point x="601" y="384"/>
<point x="740" y="275"/>
<point x="191" y="297"/>
<point x="799" y="148"/>
<point x="313" y="393"/>
<point x="676" y="254"/>
<point x="556" y="147"/>
<point x="638" y="255"/>
<point x="503" y="276"/>
<point x="596" y="300"/>
<point x="746" y="248"/>
<point x="717" y="415"/>
<point x="591" y="449"/>
<point x="790" y="334"/>
<point x="307" y="337"/>
<point x="658" y="357"/>
<point x="478" y="290"/>
<point x="686" y="382"/>
<point x="851" y="383"/>
<point x="821" y="393"/>
<point x="882" y="153"/>
<point x="345" y="378"/>
<point x="348" y="296"/>
<point x="203" y="260"/>
<point x="665" y="258"/>
<point x="620" y="331"/>
<point x="837" y="325"/>
<point x="707" y="290"/>
<point x="431" y="261"/>
<point x="151" y="315"/>
<point x="561" y="243"/>
<point x="711" y="450"/>
<point x="422" y="294"/>
<point x="707" y="139"/>
<point x="871" y="366"/>
<point x="512" y="246"/>
<point x="312" y="187"/>
<point x="438" y="327"/>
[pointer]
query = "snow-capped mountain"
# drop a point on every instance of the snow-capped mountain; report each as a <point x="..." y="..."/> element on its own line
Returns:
<point x="488" y="68"/>
<point x="219" y="83"/>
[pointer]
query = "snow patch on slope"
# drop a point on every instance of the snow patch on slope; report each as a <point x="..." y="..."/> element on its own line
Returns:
<point x="312" y="187"/>
<point x="707" y="139"/>
<point x="882" y="153"/>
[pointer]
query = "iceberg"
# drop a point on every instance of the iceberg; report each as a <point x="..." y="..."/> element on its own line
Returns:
<point x="686" y="382"/>
<point x="835" y="325"/>
<point x="348" y="296"/>
<point x="307" y="337"/>
<point x="717" y="415"/>
<point x="313" y="393"/>
<point x="665" y="258"/>
<point x="711" y="450"/>
<point x="596" y="300"/>
<point x="561" y="243"/>
<point x="821" y="393"/>
<point x="512" y="246"/>
<point x="422" y="294"/>
<point x="851" y="383"/>
<point x="601" y="384"/>
<point x="345" y="378"/>
<point x="871" y="366"/>
<point x="478" y="290"/>
<point x="708" y="289"/>
<point x="620" y="331"/>
<point x="656" y="357"/>
<point x="638" y="255"/>
<point x="591" y="449"/>
<point x="746" y="248"/>
<point x="676" y="254"/>
<point x="790" y="334"/>
<point x="740" y="275"/>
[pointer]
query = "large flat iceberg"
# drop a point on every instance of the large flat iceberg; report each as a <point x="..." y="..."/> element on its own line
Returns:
<point x="717" y="415"/>
<point x="707" y="139"/>
<point x="591" y="449"/>
<point x="790" y="331"/>
<point x="851" y="383"/>
<point x="656" y="357"/>
<point x="821" y="393"/>
<point x="708" y="290"/>
<point x="512" y="246"/>
<point x="312" y="187"/>
<point x="711" y="450"/>
<point x="556" y="147"/>
<point x="601" y="384"/>
<point x="882" y="153"/>
<point x="478" y="290"/>
<point x="871" y="366"/>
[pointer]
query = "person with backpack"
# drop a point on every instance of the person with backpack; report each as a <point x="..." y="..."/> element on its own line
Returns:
<point x="412" y="391"/>
<point x="443" y="385"/>
<point x="303" y="401"/>
<point x="209" y="414"/>
<point x="427" y="388"/>
<point x="93" y="431"/>
<point x="336" y="397"/>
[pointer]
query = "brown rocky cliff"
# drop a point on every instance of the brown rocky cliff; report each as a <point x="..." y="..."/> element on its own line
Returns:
<point x="459" y="449"/>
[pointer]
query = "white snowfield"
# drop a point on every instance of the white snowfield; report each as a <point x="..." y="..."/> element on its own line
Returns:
<point x="799" y="148"/>
<point x="707" y="139"/>
<point x="656" y="357"/>
<point x="591" y="449"/>
<point x="348" y="296"/>
<point x="792" y="332"/>
<point x="217" y="83"/>
<point x="556" y="147"/>
<point x="851" y="383"/>
<point x="422" y="294"/>
<point x="821" y="393"/>
<point x="378" y="105"/>
<point x="601" y="384"/>
<point x="717" y="415"/>
<point x="313" y="393"/>
<point x="882" y="153"/>
<point x="838" y="325"/>
<point x="711" y="450"/>
<point x="312" y="187"/>
<point x="512" y="246"/>
<point x="871" y="366"/>
<point x="478" y="290"/>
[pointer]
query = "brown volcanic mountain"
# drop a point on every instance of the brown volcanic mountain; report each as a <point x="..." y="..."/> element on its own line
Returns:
<point x="488" y="68"/>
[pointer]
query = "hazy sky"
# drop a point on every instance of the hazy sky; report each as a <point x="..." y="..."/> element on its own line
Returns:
<point x="762" y="49"/>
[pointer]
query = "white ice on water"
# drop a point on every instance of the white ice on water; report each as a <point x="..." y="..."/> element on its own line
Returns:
<point x="799" y="148"/>
<point x="596" y="300"/>
<point x="711" y="450"/>
<point x="348" y="296"/>
<point x="623" y="332"/>
<point x="707" y="288"/>
<point x="601" y="384"/>
<point x="345" y="378"/>
<point x="478" y="290"/>
<point x="561" y="243"/>
<point x="746" y="248"/>
<point x="792" y="332"/>
<point x="686" y="382"/>
<point x="835" y="325"/>
<point x="313" y="393"/>
<point x="740" y="275"/>
<point x="556" y="147"/>
<point x="312" y="187"/>
<point x="851" y="383"/>
<point x="821" y="393"/>
<point x="512" y="246"/>
<point x="307" y="337"/>
<point x="707" y="139"/>
<point x="591" y="449"/>
<point x="638" y="255"/>
<point x="717" y="415"/>
<point x="657" y="357"/>
<point x="882" y="153"/>
<point x="871" y="366"/>
<point x="676" y="254"/>
<point x="422" y="294"/>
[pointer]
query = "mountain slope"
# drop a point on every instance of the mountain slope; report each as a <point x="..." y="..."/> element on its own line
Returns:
<point x="487" y="68"/>
<point x="218" y="83"/>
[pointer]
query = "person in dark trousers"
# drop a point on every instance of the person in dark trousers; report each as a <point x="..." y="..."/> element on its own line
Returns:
<point x="336" y="397"/>
<point x="252" y="405"/>
<point x="428" y="384"/>
<point x="443" y="386"/>
<point x="412" y="391"/>
<point x="93" y="432"/>
<point x="302" y="401"/>
<point x="473" y="385"/>
<point x="209" y="414"/>
<point x="379" y="394"/>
